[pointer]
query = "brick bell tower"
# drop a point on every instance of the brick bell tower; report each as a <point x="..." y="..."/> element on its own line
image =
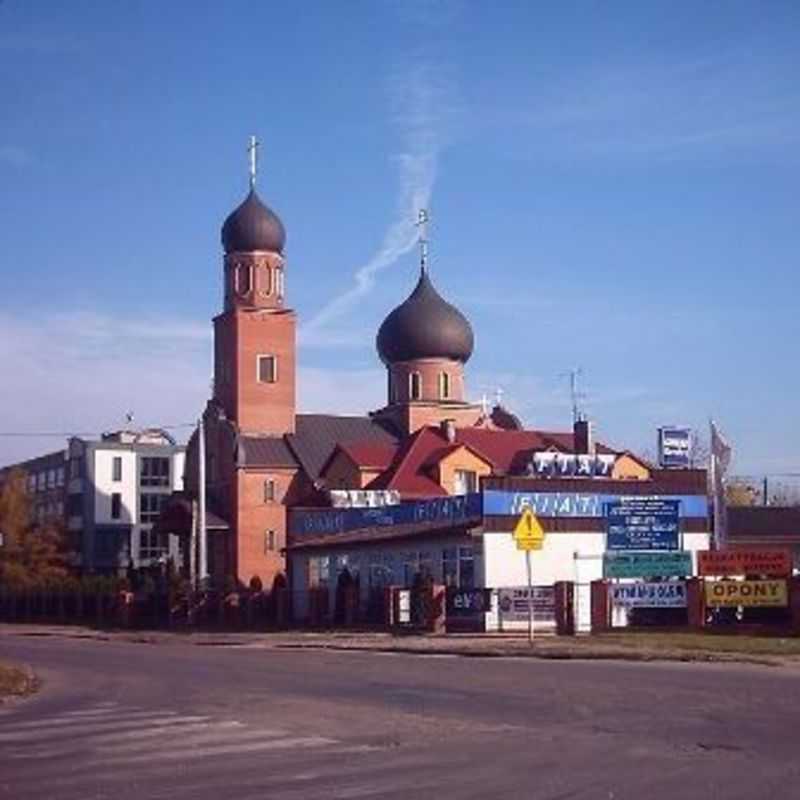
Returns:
<point x="255" y="335"/>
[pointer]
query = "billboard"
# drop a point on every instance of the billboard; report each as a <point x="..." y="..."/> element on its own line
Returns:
<point x="667" y="594"/>
<point x="773" y="563"/>
<point x="500" y="502"/>
<point x="641" y="523"/>
<point x="513" y="603"/>
<point x="674" y="447"/>
<point x="653" y="564"/>
<point x="747" y="593"/>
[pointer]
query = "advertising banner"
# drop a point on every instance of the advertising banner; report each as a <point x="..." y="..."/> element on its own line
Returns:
<point x="642" y="524"/>
<point x="674" y="447"/>
<point x="747" y="593"/>
<point x="668" y="594"/>
<point x="774" y="563"/>
<point x="653" y="564"/>
<point x="513" y="603"/>
<point x="499" y="502"/>
<point x="468" y="602"/>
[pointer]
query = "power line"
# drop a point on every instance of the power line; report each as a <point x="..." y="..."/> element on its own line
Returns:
<point x="68" y="434"/>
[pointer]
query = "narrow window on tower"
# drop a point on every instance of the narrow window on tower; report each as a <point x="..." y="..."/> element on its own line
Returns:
<point x="243" y="278"/>
<point x="444" y="386"/>
<point x="270" y="492"/>
<point x="267" y="369"/>
<point x="279" y="281"/>
<point x="415" y="385"/>
<point x="266" y="280"/>
<point x="269" y="541"/>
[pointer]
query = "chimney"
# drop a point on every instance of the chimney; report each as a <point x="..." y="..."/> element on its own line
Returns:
<point x="584" y="437"/>
<point x="448" y="428"/>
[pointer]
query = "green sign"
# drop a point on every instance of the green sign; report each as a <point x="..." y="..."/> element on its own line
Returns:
<point x="652" y="564"/>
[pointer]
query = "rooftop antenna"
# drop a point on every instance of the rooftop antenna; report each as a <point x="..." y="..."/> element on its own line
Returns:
<point x="575" y="395"/>
<point x="485" y="404"/>
<point x="498" y="397"/>
<point x="422" y="224"/>
<point x="128" y="417"/>
<point x="252" y="150"/>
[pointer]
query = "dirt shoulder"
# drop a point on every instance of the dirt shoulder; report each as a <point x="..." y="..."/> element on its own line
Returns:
<point x="16" y="681"/>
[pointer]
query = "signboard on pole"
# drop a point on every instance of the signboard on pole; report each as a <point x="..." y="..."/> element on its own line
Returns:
<point x="528" y="533"/>
<point x="747" y="593"/>
<point x="674" y="447"/>
<point x="773" y="563"/>
<point x="651" y="564"/>
<point x="643" y="523"/>
<point x="513" y="603"/>
<point x="667" y="594"/>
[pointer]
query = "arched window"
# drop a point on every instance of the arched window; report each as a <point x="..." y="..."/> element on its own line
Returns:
<point x="265" y="280"/>
<point x="444" y="386"/>
<point x="415" y="386"/>
<point x="243" y="278"/>
<point x="279" y="281"/>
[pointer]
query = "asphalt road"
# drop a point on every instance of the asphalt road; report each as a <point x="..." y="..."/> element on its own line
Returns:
<point x="122" y="720"/>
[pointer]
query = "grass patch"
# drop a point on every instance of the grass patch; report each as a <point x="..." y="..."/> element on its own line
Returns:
<point x="697" y="642"/>
<point x="16" y="681"/>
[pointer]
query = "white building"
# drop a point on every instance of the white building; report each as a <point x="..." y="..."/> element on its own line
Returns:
<point x="115" y="490"/>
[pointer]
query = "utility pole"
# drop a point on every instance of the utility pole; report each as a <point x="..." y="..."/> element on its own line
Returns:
<point x="201" y="500"/>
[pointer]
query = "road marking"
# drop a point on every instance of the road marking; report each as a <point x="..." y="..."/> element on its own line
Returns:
<point x="191" y="753"/>
<point x="43" y="732"/>
<point x="77" y="722"/>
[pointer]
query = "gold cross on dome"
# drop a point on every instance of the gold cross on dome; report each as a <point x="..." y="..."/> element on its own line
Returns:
<point x="252" y="150"/>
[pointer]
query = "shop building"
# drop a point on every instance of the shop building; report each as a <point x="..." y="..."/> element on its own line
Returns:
<point x="440" y="472"/>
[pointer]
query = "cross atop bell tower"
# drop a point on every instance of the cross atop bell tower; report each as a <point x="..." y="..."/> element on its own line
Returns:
<point x="252" y="151"/>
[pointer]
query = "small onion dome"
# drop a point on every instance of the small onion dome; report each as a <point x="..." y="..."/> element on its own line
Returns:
<point x="253" y="226"/>
<point x="425" y="326"/>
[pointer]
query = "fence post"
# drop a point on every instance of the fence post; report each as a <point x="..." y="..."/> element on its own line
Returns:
<point x="794" y="602"/>
<point x="601" y="610"/>
<point x="695" y="603"/>
<point x="565" y="608"/>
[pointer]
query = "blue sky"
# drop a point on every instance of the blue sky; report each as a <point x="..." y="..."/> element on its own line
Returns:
<point x="611" y="186"/>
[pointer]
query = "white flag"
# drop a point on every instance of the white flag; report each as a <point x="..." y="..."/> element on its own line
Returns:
<point x="720" y="461"/>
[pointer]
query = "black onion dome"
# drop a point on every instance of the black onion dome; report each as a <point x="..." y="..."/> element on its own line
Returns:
<point x="425" y="326"/>
<point x="253" y="226"/>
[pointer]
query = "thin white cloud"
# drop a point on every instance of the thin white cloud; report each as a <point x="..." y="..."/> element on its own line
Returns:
<point x="421" y="103"/>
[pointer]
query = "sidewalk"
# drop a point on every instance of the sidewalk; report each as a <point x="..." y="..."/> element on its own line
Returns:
<point x="637" y="646"/>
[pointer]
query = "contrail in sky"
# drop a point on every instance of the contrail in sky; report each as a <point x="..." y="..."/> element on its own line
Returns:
<point x="417" y="112"/>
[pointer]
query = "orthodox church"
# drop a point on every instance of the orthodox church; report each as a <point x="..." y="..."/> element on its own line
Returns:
<point x="263" y="458"/>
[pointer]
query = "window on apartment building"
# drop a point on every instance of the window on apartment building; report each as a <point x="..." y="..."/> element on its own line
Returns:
<point x="116" y="505"/>
<point x="150" y="506"/>
<point x="31" y="484"/>
<point x="116" y="468"/>
<point x="41" y="481"/>
<point x="444" y="386"/>
<point x="270" y="491"/>
<point x="60" y="476"/>
<point x="267" y="369"/>
<point x="415" y="386"/>
<point x="269" y="542"/>
<point x="154" y="471"/>
<point x="152" y="545"/>
<point x="74" y="468"/>
<point x="465" y="481"/>
<point x="51" y="478"/>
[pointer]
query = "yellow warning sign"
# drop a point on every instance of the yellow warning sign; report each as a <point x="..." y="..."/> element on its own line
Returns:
<point x="528" y="532"/>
